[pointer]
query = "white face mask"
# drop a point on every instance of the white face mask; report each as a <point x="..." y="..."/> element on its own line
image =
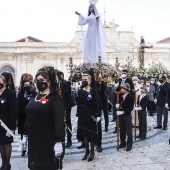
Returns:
<point x="152" y="82"/>
<point x="147" y="84"/>
<point x="142" y="83"/>
<point x="123" y="76"/>
<point x="135" y="82"/>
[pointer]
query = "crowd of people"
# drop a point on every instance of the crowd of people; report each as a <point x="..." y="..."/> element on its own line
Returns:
<point x="40" y="109"/>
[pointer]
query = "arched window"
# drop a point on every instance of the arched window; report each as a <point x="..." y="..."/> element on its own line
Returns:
<point x="8" y="69"/>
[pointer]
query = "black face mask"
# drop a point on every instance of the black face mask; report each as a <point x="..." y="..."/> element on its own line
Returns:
<point x="41" y="86"/>
<point x="1" y="86"/>
<point x="84" y="83"/>
<point x="161" y="81"/>
<point x="27" y="88"/>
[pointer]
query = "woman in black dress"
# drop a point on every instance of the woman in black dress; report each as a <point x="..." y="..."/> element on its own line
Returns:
<point x="88" y="113"/>
<point x="8" y="112"/>
<point x="26" y="92"/>
<point x="45" y="123"/>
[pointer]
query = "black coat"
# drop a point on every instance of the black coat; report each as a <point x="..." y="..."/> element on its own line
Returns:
<point x="85" y="110"/>
<point x="22" y="103"/>
<point x="143" y="103"/>
<point x="8" y="114"/>
<point x="66" y="93"/>
<point x="161" y="95"/>
<point x="127" y="105"/>
<point x="45" y="125"/>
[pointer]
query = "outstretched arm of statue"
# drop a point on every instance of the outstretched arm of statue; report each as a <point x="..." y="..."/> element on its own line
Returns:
<point x="77" y="13"/>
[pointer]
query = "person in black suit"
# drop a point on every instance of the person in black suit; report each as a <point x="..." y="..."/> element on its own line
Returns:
<point x="162" y="107"/>
<point x="104" y="102"/>
<point x="124" y="79"/>
<point x="126" y="105"/>
<point x="153" y="83"/>
<point x="142" y="102"/>
<point x="65" y="94"/>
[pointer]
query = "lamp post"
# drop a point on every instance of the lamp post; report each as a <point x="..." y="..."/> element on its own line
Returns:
<point x="71" y="65"/>
<point x="100" y="64"/>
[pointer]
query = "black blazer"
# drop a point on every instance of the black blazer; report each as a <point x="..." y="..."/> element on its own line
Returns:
<point x="161" y="94"/>
<point x="144" y="102"/>
<point x="127" y="104"/>
<point x="66" y="93"/>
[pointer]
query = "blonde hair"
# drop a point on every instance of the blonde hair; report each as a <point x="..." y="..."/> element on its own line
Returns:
<point x="89" y="77"/>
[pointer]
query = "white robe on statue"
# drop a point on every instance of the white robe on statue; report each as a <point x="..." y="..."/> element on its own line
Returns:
<point x="94" y="40"/>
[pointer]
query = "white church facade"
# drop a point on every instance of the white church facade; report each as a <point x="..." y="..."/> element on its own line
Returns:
<point x="30" y="54"/>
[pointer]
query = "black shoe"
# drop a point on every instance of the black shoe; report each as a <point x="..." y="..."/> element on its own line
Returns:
<point x="106" y="129"/>
<point x="115" y="131"/>
<point x="158" y="127"/>
<point x="99" y="148"/>
<point x="122" y="145"/>
<point x="169" y="141"/>
<point x="91" y="157"/>
<point x="81" y="146"/>
<point x="128" y="149"/>
<point x="142" y="137"/>
<point x="113" y="120"/>
<point x="138" y="136"/>
<point x="134" y="126"/>
<point x="23" y="152"/>
<point x="85" y="156"/>
<point x="68" y="144"/>
<point x="2" y="167"/>
<point x="165" y="128"/>
<point x="7" y="167"/>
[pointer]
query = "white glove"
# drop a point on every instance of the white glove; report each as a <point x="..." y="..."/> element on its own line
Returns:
<point x="58" y="148"/>
<point x="117" y="106"/>
<point x="23" y="144"/>
<point x="166" y="105"/>
<point x="76" y="119"/>
<point x="155" y="101"/>
<point x="98" y="119"/>
<point x="158" y="83"/>
<point x="8" y="134"/>
<point x="138" y="108"/>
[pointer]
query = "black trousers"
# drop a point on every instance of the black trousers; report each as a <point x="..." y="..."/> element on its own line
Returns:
<point x="68" y="123"/>
<point x="99" y="128"/>
<point x="126" y="129"/>
<point x="142" y="116"/>
<point x="150" y="107"/>
<point x="105" y="111"/>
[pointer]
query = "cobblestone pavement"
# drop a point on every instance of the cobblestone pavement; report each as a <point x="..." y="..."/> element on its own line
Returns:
<point x="150" y="154"/>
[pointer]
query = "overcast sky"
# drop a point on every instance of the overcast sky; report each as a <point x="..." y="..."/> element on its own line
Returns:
<point x="55" y="21"/>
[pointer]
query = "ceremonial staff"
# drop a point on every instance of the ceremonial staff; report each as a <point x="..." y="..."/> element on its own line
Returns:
<point x="8" y="130"/>
<point x="117" y="122"/>
<point x="135" y="106"/>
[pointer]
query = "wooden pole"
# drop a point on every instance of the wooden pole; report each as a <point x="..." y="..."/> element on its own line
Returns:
<point x="135" y="110"/>
<point x="117" y="122"/>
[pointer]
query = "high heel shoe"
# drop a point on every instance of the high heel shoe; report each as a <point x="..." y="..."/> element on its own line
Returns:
<point x="2" y="167"/>
<point x="7" y="167"/>
<point x="85" y="156"/>
<point x="91" y="157"/>
<point x="23" y="152"/>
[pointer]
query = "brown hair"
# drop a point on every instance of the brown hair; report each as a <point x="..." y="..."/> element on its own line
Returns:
<point x="42" y="73"/>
